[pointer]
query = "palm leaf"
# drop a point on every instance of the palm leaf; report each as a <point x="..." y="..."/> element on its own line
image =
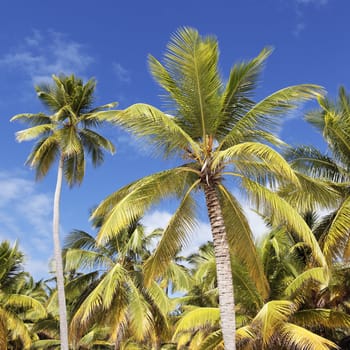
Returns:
<point x="238" y="231"/>
<point x="262" y="116"/>
<point x="300" y="338"/>
<point x="174" y="237"/>
<point x="129" y="203"/>
<point x="259" y="152"/>
<point x="338" y="234"/>
<point x="281" y="212"/>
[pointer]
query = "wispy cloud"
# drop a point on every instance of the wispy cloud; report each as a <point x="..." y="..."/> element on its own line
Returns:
<point x="300" y="6"/>
<point x="26" y="216"/>
<point x="312" y="2"/>
<point x="45" y="53"/>
<point x="122" y="73"/>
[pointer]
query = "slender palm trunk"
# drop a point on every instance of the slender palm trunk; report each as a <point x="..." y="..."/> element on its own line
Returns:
<point x="58" y="260"/>
<point x="223" y="268"/>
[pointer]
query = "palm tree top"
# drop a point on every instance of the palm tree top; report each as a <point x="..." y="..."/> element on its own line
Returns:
<point x="68" y="128"/>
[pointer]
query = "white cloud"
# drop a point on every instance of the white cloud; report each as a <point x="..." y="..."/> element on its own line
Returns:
<point x="202" y="234"/>
<point x="43" y="54"/>
<point x="122" y="73"/>
<point x="26" y="216"/>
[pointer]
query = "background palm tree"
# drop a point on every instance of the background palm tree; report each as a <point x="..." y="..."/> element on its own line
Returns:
<point x="217" y="129"/>
<point x="20" y="307"/>
<point x="65" y="134"/>
<point x="333" y="121"/>
<point x="109" y="291"/>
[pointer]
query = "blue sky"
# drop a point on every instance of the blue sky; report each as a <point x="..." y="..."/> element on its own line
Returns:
<point x="110" y="40"/>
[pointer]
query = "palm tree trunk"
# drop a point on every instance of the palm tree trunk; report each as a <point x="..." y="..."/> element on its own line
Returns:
<point x="223" y="268"/>
<point x="58" y="260"/>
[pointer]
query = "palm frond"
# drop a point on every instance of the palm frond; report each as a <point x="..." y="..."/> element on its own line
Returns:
<point x="174" y="237"/>
<point x="191" y="62"/>
<point x="316" y="274"/>
<point x="271" y="316"/>
<point x="263" y="115"/>
<point x="160" y="129"/>
<point x="259" y="152"/>
<point x="331" y="319"/>
<point x="300" y="338"/>
<point x="129" y="203"/>
<point x="311" y="194"/>
<point x="281" y="212"/>
<point x="237" y="97"/>
<point x="199" y="318"/>
<point x="338" y="234"/>
<point x="241" y="240"/>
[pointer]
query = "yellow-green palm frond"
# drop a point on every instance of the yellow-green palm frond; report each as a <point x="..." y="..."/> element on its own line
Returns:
<point x="74" y="168"/>
<point x="32" y="119"/>
<point x="311" y="194"/>
<point x="139" y="314"/>
<point x="331" y="319"/>
<point x="281" y="212"/>
<point x="95" y="144"/>
<point x="311" y="161"/>
<point x="338" y="234"/>
<point x="320" y="275"/>
<point x="213" y="341"/>
<point x="272" y="315"/>
<point x="246" y="292"/>
<point x="160" y="129"/>
<point x="175" y="236"/>
<point x="262" y="115"/>
<point x="199" y="318"/>
<point x="129" y="203"/>
<point x="236" y="99"/>
<point x="296" y="337"/>
<point x="191" y="64"/>
<point x="43" y="155"/>
<point x="101" y="297"/>
<point x="83" y="259"/>
<point x="159" y="298"/>
<point x="13" y="327"/>
<point x="241" y="240"/>
<point x="34" y="132"/>
<point x="25" y="302"/>
<point x="254" y="151"/>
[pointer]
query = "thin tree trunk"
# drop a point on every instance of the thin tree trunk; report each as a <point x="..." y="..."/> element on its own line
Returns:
<point x="223" y="268"/>
<point x="58" y="261"/>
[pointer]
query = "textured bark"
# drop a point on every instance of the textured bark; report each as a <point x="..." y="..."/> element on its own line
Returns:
<point x="223" y="268"/>
<point x="58" y="261"/>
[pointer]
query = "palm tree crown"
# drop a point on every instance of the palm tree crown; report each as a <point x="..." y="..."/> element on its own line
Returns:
<point x="67" y="131"/>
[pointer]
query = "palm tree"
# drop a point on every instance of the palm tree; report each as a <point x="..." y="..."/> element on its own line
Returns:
<point x="333" y="121"/>
<point x="109" y="291"/>
<point x="18" y="307"/>
<point x="220" y="133"/>
<point x="65" y="134"/>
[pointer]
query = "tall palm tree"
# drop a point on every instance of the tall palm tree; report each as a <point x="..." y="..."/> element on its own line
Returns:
<point x="64" y="134"/>
<point x="220" y="133"/>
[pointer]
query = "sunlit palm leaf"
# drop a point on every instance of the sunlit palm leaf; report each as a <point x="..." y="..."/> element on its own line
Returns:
<point x="174" y="237"/>
<point x="281" y="212"/>
<point x="300" y="338"/>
